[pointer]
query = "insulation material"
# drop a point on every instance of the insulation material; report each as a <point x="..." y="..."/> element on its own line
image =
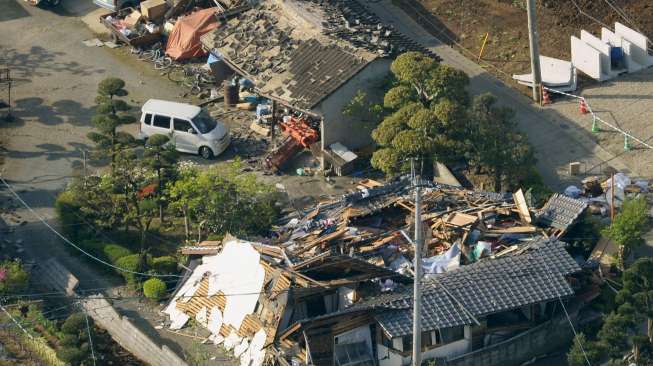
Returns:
<point x="184" y="40"/>
<point x="216" y="339"/>
<point x="237" y="258"/>
<point x="241" y="348"/>
<point x="215" y="321"/>
<point x="232" y="341"/>
<point x="255" y="354"/>
<point x="201" y="316"/>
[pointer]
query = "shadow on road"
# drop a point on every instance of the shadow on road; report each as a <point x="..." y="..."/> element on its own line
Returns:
<point x="41" y="62"/>
<point x="35" y="109"/>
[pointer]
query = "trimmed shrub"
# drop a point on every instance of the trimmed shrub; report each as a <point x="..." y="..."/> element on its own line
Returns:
<point x="154" y="289"/>
<point x="113" y="252"/>
<point x="75" y="324"/>
<point x="70" y="340"/>
<point x="92" y="245"/>
<point x="165" y="265"/>
<point x="131" y="263"/>
<point x="13" y="278"/>
<point x="70" y="355"/>
<point x="67" y="209"/>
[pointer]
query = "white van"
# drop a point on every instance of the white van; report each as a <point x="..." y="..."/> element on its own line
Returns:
<point x="191" y="129"/>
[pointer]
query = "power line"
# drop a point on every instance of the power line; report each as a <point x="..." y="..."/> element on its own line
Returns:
<point x="90" y="339"/>
<point x="40" y="218"/>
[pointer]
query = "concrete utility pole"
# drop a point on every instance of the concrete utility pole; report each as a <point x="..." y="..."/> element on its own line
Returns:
<point x="535" y="50"/>
<point x="417" y="295"/>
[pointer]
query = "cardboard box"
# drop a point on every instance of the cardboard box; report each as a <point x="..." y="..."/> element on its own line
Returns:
<point x="132" y="19"/>
<point x="154" y="9"/>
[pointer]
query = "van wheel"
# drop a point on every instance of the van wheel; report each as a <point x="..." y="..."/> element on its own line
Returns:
<point x="206" y="153"/>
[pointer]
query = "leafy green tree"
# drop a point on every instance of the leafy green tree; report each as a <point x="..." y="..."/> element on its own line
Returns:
<point x="497" y="146"/>
<point x="13" y="278"/>
<point x="428" y="118"/>
<point x="225" y="200"/>
<point x="154" y="289"/>
<point x="161" y="157"/>
<point x="134" y="184"/>
<point x="615" y="332"/>
<point x="111" y="113"/>
<point x="361" y="108"/>
<point x="628" y="227"/>
<point x="75" y="324"/>
<point x="576" y="357"/>
<point x="636" y="296"/>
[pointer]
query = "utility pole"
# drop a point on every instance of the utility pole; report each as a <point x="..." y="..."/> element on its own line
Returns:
<point x="417" y="294"/>
<point x="535" y="51"/>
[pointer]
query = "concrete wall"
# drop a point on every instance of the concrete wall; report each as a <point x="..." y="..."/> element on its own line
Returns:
<point x="346" y="130"/>
<point x="542" y="339"/>
<point x="129" y="336"/>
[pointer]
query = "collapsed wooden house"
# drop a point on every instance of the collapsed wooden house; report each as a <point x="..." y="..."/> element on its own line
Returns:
<point x="302" y="296"/>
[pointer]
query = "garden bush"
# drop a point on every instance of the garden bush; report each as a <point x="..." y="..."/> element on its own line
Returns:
<point x="13" y="278"/>
<point x="75" y="324"/>
<point x="67" y="208"/>
<point x="131" y="263"/>
<point x="93" y="246"/>
<point x="154" y="289"/>
<point x="71" y="355"/>
<point x="165" y="265"/>
<point x="70" y="340"/>
<point x="114" y="252"/>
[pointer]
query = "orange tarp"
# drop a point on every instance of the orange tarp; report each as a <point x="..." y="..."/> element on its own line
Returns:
<point x="184" y="40"/>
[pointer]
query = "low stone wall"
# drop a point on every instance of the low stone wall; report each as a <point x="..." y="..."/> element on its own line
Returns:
<point x="129" y="336"/>
<point x="542" y="339"/>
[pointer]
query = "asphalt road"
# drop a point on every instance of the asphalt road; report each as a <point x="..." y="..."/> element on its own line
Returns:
<point x="56" y="77"/>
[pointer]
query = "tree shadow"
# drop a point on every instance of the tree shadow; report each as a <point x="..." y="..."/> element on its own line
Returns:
<point x="34" y="109"/>
<point x="41" y="62"/>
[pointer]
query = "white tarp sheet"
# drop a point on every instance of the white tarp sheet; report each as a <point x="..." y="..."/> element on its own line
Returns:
<point x="443" y="262"/>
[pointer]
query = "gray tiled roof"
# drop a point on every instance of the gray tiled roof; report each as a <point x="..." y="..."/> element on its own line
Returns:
<point x="561" y="211"/>
<point x="482" y="288"/>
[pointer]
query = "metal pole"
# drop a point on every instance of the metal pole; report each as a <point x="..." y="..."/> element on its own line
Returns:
<point x="417" y="297"/>
<point x="534" y="48"/>
<point x="612" y="187"/>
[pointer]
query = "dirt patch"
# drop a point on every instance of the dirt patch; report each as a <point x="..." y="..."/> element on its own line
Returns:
<point x="506" y="52"/>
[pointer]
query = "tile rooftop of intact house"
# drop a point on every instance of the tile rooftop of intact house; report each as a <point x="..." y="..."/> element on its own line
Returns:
<point x="299" y="52"/>
<point x="483" y="288"/>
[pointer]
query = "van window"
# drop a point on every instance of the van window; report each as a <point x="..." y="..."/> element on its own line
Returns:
<point x="182" y="125"/>
<point x="148" y="118"/>
<point x="162" y="122"/>
<point x="204" y="122"/>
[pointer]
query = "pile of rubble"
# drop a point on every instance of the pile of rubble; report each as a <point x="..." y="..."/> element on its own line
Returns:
<point x="254" y="296"/>
<point x="461" y="226"/>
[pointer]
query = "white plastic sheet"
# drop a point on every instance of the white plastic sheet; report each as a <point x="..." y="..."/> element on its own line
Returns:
<point x="215" y="321"/>
<point x="443" y="262"/>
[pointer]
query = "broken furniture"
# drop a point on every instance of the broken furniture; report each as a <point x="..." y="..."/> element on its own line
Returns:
<point x="124" y="29"/>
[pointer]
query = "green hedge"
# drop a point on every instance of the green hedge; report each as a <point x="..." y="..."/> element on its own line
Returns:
<point x="154" y="289"/>
<point x="68" y="209"/>
<point x="114" y="252"/>
<point x="92" y="246"/>
<point x="164" y="265"/>
<point x="131" y="263"/>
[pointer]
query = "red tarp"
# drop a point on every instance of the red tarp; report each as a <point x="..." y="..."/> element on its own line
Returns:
<point x="184" y="40"/>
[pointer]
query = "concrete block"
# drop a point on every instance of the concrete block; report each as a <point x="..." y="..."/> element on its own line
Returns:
<point x="639" y="44"/>
<point x="586" y="58"/>
<point x="604" y="52"/>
